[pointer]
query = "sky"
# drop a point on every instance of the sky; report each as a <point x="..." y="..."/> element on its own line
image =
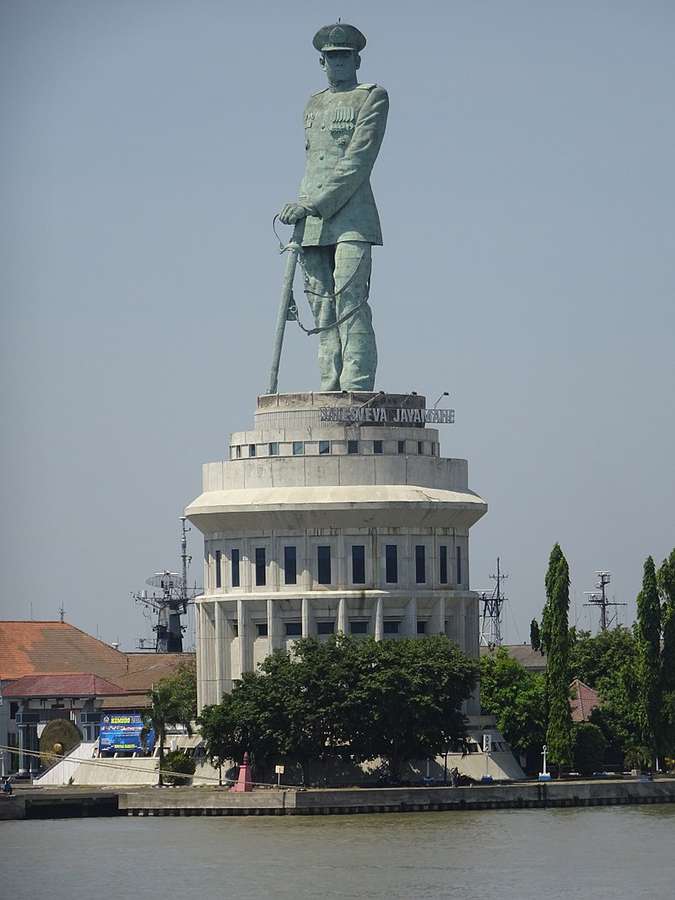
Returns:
<point x="526" y="192"/>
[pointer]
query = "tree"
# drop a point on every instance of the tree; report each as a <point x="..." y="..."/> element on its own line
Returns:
<point x="407" y="703"/>
<point x="184" y="685"/>
<point x="345" y="697"/>
<point x="665" y="579"/>
<point x="535" y="636"/>
<point x="596" y="657"/>
<point x="172" y="702"/>
<point x="588" y="746"/>
<point x="517" y="699"/>
<point x="545" y="630"/>
<point x="558" y="732"/>
<point x="648" y="634"/>
<point x="293" y="708"/>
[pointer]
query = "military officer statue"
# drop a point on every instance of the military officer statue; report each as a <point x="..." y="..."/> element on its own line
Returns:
<point x="335" y="216"/>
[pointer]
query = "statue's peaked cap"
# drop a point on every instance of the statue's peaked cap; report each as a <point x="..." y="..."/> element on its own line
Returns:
<point x="339" y="36"/>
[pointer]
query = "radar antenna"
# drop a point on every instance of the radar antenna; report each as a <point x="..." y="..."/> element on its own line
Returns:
<point x="599" y="598"/>
<point x="491" y="616"/>
<point x="169" y="602"/>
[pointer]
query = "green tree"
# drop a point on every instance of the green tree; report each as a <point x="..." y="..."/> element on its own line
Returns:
<point x="184" y="685"/>
<point x="608" y="662"/>
<point x="588" y="746"/>
<point x="648" y="633"/>
<point x="358" y="699"/>
<point x="665" y="580"/>
<point x="172" y="702"/>
<point x="517" y="698"/>
<point x="559" y="726"/>
<point x="546" y="624"/>
<point x="249" y="719"/>
<point x="594" y="657"/>
<point x="407" y="703"/>
<point x="293" y="708"/>
<point x="535" y="636"/>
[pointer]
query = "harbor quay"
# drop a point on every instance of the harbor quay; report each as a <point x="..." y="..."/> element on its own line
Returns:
<point x="66" y="802"/>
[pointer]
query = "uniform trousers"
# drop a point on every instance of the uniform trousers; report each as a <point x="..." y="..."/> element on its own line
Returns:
<point x="347" y="353"/>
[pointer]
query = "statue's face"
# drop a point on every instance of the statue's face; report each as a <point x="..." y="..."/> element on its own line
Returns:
<point x="340" y="65"/>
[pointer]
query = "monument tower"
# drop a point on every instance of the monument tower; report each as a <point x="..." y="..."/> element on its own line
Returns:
<point x="336" y="511"/>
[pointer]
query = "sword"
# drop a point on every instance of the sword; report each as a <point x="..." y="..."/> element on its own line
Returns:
<point x="287" y="311"/>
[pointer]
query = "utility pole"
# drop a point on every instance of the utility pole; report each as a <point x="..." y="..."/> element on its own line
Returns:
<point x="599" y="598"/>
<point x="491" y="617"/>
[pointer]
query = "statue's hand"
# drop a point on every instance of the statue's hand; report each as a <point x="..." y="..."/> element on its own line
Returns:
<point x="292" y="213"/>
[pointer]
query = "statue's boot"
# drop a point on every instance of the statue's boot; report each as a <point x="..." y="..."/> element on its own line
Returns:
<point x="357" y="338"/>
<point x="319" y="286"/>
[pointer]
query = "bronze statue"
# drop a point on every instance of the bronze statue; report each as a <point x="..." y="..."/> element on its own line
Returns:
<point x="335" y="217"/>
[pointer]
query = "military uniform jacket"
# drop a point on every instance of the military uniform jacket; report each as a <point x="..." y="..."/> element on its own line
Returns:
<point x="343" y="134"/>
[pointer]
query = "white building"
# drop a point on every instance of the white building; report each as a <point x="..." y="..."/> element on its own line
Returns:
<point x="313" y="527"/>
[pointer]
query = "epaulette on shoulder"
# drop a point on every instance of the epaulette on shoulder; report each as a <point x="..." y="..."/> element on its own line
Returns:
<point x="365" y="87"/>
<point x="322" y="91"/>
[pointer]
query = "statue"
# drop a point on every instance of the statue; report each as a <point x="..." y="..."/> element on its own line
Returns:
<point x="335" y="217"/>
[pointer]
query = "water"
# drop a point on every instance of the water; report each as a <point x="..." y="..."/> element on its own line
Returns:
<point x="606" y="852"/>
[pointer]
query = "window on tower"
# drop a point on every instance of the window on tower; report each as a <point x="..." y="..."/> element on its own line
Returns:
<point x="260" y="567"/>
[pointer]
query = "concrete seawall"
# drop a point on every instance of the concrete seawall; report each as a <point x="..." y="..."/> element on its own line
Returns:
<point x="73" y="802"/>
<point x="188" y="802"/>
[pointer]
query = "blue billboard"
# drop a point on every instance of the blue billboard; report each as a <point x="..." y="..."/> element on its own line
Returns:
<point x="121" y="733"/>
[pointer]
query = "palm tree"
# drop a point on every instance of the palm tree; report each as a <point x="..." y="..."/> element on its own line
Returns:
<point x="167" y="707"/>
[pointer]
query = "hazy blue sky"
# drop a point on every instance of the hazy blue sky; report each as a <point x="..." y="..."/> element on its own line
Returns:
<point x="527" y="197"/>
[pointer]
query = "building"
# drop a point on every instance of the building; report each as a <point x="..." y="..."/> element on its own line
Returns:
<point x="53" y="670"/>
<point x="532" y="660"/>
<point x="317" y="523"/>
<point x="583" y="700"/>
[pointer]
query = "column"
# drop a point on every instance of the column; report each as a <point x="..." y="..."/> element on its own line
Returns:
<point x="410" y="622"/>
<point x="342" y="624"/>
<point x="34" y="745"/>
<point x="229" y="644"/>
<point x="461" y="624"/>
<point x="218" y="627"/>
<point x="307" y="619"/>
<point x="275" y="638"/>
<point x="200" y="656"/>
<point x="437" y="623"/>
<point x="23" y="768"/>
<point x="306" y="580"/>
<point x="245" y="642"/>
<point x="340" y="575"/>
<point x="379" y="618"/>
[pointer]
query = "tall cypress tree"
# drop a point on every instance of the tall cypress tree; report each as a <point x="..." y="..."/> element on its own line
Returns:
<point x="665" y="579"/>
<point x="648" y="633"/>
<point x="545" y="630"/>
<point x="559" y="730"/>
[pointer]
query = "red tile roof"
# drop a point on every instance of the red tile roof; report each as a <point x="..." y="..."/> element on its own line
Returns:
<point x="58" y="648"/>
<point x="34" y="648"/>
<point x="583" y="701"/>
<point x="60" y="685"/>
<point x="146" y="669"/>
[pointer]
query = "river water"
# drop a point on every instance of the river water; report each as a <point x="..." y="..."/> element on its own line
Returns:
<point x="605" y="852"/>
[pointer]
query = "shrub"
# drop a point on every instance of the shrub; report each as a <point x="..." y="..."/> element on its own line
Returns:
<point x="589" y="746"/>
<point x="179" y="762"/>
